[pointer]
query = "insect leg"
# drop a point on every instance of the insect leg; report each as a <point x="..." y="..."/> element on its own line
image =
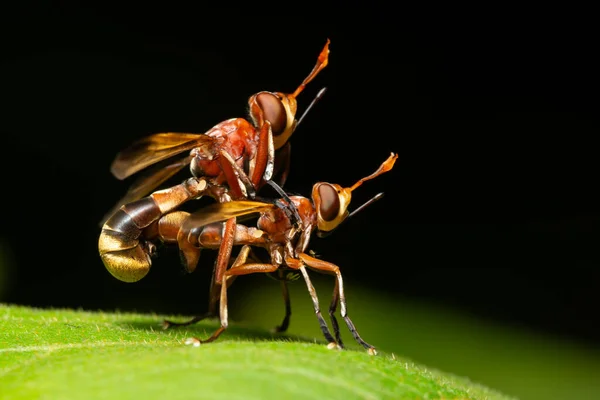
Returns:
<point x="332" y="307"/>
<point x="329" y="268"/>
<point x="288" y="305"/>
<point x="313" y="294"/>
<point x="240" y="185"/>
<point x="282" y="163"/>
<point x="261" y="169"/>
<point x="221" y="264"/>
<point x="236" y="270"/>
<point x="285" y="293"/>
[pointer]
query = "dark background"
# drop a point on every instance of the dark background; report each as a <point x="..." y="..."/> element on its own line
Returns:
<point x="491" y="206"/>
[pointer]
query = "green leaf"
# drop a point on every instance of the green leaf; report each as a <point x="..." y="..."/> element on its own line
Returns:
<point x="59" y="354"/>
<point x="513" y="359"/>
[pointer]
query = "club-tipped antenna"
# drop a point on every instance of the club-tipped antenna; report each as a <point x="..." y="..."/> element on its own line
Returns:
<point x="322" y="62"/>
<point x="369" y="202"/>
<point x="385" y="167"/>
<point x="312" y="103"/>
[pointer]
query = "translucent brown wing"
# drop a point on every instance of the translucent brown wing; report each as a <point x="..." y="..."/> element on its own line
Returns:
<point x="149" y="181"/>
<point x="220" y="212"/>
<point x="157" y="147"/>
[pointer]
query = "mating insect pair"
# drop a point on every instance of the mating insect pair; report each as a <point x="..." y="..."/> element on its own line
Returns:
<point x="229" y="163"/>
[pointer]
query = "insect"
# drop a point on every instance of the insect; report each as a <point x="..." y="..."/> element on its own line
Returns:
<point x="215" y="227"/>
<point x="239" y="153"/>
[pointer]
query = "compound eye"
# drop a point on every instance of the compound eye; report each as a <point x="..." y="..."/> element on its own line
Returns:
<point x="274" y="111"/>
<point x="330" y="202"/>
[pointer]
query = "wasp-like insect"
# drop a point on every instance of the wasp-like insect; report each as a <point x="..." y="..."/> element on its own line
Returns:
<point x="215" y="227"/>
<point x="238" y="154"/>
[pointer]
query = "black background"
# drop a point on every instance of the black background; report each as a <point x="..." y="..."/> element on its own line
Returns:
<point x="491" y="206"/>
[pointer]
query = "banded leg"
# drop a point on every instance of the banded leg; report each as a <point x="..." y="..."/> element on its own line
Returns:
<point x="332" y="308"/>
<point x="288" y="305"/>
<point x="313" y="294"/>
<point x="329" y="268"/>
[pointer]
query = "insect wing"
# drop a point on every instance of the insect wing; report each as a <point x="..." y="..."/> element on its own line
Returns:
<point x="157" y="147"/>
<point x="220" y="212"/>
<point x="147" y="182"/>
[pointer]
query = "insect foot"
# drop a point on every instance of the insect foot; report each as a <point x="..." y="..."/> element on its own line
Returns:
<point x="192" y="341"/>
<point x="372" y="351"/>
<point x="333" y="346"/>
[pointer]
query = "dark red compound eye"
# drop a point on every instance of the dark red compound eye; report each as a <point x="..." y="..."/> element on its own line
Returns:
<point x="330" y="202"/>
<point x="274" y="111"/>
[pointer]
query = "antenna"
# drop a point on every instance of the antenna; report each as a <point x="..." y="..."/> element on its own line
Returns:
<point x="378" y="196"/>
<point x="369" y="202"/>
<point x="312" y="103"/>
<point x="290" y="207"/>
